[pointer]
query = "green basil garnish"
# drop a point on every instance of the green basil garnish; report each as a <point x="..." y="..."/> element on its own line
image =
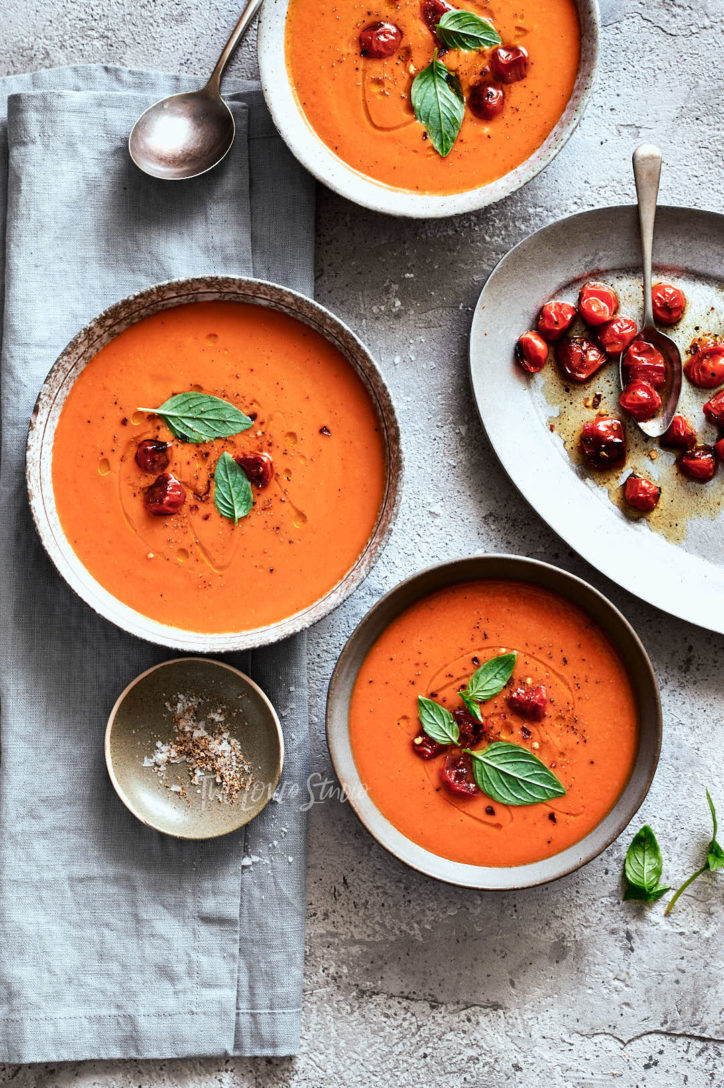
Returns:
<point x="232" y="490"/>
<point x="439" y="105"/>
<point x="643" y="867"/>
<point x="466" y="30"/>
<point x="492" y="676"/>
<point x="199" y="417"/>
<point x="511" y="775"/>
<point x="714" y="857"/>
<point x="437" y="721"/>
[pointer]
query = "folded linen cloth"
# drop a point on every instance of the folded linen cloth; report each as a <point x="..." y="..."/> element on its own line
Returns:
<point x="118" y="941"/>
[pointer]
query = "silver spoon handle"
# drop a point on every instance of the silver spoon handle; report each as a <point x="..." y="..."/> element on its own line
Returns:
<point x="237" y="34"/>
<point x="647" y="171"/>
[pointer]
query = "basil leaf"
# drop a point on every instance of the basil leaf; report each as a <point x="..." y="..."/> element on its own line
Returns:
<point x="715" y="854"/>
<point x="491" y="677"/>
<point x="643" y="866"/>
<point x="466" y="30"/>
<point x="439" y="105"/>
<point x="512" y="775"/>
<point x="470" y="705"/>
<point x="437" y="721"/>
<point x="232" y="490"/>
<point x="199" y="417"/>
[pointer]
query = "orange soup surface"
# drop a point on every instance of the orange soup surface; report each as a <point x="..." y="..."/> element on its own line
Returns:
<point x="588" y="736"/>
<point x="196" y="569"/>
<point x="360" y="106"/>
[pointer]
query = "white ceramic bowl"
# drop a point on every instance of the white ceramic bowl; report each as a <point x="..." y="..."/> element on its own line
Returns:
<point x="321" y="161"/>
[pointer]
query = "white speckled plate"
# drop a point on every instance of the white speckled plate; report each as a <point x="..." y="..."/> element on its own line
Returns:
<point x="674" y="559"/>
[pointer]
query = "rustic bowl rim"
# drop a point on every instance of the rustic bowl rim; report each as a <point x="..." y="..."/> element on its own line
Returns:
<point x="322" y="162"/>
<point x="377" y="619"/>
<point x="272" y="718"/>
<point x="99" y="331"/>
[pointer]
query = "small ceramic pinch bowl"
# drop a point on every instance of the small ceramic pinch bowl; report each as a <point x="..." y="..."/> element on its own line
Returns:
<point x="625" y="642"/>
<point x="333" y="172"/>
<point x="144" y="716"/>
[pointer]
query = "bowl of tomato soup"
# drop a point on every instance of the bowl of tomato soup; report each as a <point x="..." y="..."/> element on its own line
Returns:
<point x="495" y="722"/>
<point x="423" y="108"/>
<point x="214" y="463"/>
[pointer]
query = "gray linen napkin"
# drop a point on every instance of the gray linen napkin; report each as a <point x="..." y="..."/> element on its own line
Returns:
<point x="117" y="941"/>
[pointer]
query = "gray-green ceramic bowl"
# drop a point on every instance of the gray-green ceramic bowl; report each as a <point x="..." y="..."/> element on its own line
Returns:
<point x="623" y="638"/>
<point x="143" y="717"/>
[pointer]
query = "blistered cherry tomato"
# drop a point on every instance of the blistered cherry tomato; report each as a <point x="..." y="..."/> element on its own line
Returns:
<point x="698" y="464"/>
<point x="668" y="302"/>
<point x="714" y="409"/>
<point x="644" y="362"/>
<point x="258" y="467"/>
<point x="719" y="449"/>
<point x="680" y="435"/>
<point x="457" y="773"/>
<point x="555" y="319"/>
<point x="432" y="12"/>
<point x="640" y="400"/>
<point x="153" y="455"/>
<point x="485" y="100"/>
<point x="615" y="335"/>
<point x="579" y="359"/>
<point x="641" y="493"/>
<point x="531" y="351"/>
<point x="597" y="303"/>
<point x="165" y="496"/>
<point x="380" y="40"/>
<point x="603" y="442"/>
<point x="530" y="702"/>
<point x="509" y="63"/>
<point x="706" y="367"/>
<point x="425" y="747"/>
<point x="471" y="730"/>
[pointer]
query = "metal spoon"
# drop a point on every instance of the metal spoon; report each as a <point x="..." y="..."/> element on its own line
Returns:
<point x="187" y="134"/>
<point x="647" y="171"/>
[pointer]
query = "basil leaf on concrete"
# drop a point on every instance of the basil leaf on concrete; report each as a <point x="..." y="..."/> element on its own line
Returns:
<point x="643" y="867"/>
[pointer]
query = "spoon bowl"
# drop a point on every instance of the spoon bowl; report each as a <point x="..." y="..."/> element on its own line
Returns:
<point x="182" y="136"/>
<point x="671" y="392"/>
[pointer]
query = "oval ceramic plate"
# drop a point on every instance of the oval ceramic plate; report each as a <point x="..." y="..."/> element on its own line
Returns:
<point x="676" y="561"/>
<point x="143" y="718"/>
<point x="321" y="161"/>
<point x="620" y="633"/>
<point x="82" y="349"/>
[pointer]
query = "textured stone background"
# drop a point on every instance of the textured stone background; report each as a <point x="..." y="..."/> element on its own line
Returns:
<point x="409" y="981"/>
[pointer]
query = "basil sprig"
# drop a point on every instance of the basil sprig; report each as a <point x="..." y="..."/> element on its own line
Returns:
<point x="232" y="491"/>
<point x="643" y="867"/>
<point x="714" y="857"/>
<point x="199" y="417"/>
<point x="490" y="679"/>
<point x="511" y="775"/>
<point x="466" y="30"/>
<point x="439" y="105"/>
<point x="437" y="721"/>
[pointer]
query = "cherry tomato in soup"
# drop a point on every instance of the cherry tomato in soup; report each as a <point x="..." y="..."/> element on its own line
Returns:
<point x="640" y="400"/>
<point x="165" y="496"/>
<point x="597" y="303"/>
<point x="555" y="319"/>
<point x="509" y="64"/>
<point x="706" y="367"/>
<point x="457" y="774"/>
<point x="669" y="303"/>
<point x="380" y="40"/>
<point x="432" y="12"/>
<point x="641" y="493"/>
<point x="579" y="359"/>
<point x="258" y="467"/>
<point x="471" y="730"/>
<point x="680" y="435"/>
<point x="643" y="361"/>
<point x="603" y="441"/>
<point x="698" y="464"/>
<point x="425" y="747"/>
<point x="153" y="455"/>
<point x="485" y="100"/>
<point x="530" y="702"/>
<point x="531" y="351"/>
<point x="615" y="335"/>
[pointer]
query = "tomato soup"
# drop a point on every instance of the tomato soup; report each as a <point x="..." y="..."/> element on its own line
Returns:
<point x="196" y="569"/>
<point x="587" y="736"/>
<point x="360" y="105"/>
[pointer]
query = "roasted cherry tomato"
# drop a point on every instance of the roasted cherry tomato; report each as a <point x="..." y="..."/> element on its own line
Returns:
<point x="719" y="449"/>
<point x="555" y="319"/>
<point x="380" y="40"/>
<point x="485" y="100"/>
<point x="432" y="12"/>
<point x="509" y="63"/>
<point x="698" y="464"/>
<point x="258" y="467"/>
<point x="680" y="435"/>
<point x="425" y="747"/>
<point x="669" y="303"/>
<point x="531" y="351"/>
<point x="153" y="455"/>
<point x="640" y="400"/>
<point x="530" y="702"/>
<point x="706" y="367"/>
<point x="714" y="409"/>
<point x="643" y="361"/>
<point x="165" y="496"/>
<point x="457" y="773"/>
<point x="579" y="359"/>
<point x="641" y="493"/>
<point x="471" y="730"/>
<point x="603" y="441"/>
<point x="615" y="335"/>
<point x="597" y="303"/>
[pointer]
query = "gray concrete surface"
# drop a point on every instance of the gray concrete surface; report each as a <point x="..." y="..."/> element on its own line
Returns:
<point x="407" y="981"/>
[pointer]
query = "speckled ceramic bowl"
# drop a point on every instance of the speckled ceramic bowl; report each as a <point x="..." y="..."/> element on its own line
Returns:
<point x="622" y="636"/>
<point x="78" y="354"/>
<point x="321" y="161"/>
<point x="143" y="716"/>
